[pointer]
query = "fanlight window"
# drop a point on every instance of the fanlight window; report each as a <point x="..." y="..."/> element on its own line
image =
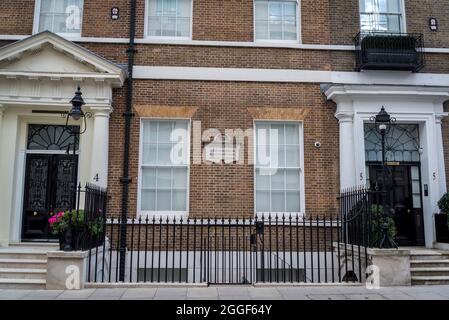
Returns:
<point x="47" y="137"/>
<point x="401" y="143"/>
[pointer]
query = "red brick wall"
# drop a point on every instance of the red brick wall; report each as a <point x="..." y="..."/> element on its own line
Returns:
<point x="16" y="17"/>
<point x="227" y="190"/>
<point x="230" y="20"/>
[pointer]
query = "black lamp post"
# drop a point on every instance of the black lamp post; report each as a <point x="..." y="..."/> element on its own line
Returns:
<point x="76" y="114"/>
<point x="383" y="122"/>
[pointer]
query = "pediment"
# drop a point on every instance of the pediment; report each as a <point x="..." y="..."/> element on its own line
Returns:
<point x="47" y="59"/>
<point x="47" y="54"/>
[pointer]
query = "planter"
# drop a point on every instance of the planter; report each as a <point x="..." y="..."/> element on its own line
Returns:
<point x="442" y="228"/>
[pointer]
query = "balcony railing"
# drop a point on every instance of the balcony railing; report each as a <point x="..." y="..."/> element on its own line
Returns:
<point x="385" y="51"/>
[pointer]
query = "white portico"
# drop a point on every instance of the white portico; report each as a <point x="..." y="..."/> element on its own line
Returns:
<point x="38" y="78"/>
<point x="420" y="106"/>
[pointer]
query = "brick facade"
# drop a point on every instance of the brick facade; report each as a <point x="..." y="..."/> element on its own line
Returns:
<point x="227" y="190"/>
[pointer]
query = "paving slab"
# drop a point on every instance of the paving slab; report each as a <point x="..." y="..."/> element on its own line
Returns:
<point x="43" y="294"/>
<point x="139" y="294"/>
<point x="75" y="294"/>
<point x="260" y="293"/>
<point x="107" y="294"/>
<point x="202" y="293"/>
<point x="13" y="294"/>
<point x="327" y="297"/>
<point x="370" y="296"/>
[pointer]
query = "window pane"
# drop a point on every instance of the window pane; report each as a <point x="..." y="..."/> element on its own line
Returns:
<point x="277" y="180"/>
<point x="163" y="178"/>
<point x="292" y="156"/>
<point x="149" y="154"/>
<point x="180" y="178"/>
<point x="149" y="178"/>
<point x="293" y="200"/>
<point x="262" y="181"/>
<point x="261" y="30"/>
<point x="163" y="200"/>
<point x="179" y="200"/>
<point x="277" y="201"/>
<point x="148" y="200"/>
<point x="292" y="133"/>
<point x="164" y="154"/>
<point x="263" y="201"/>
<point x="292" y="179"/>
<point x="276" y="20"/>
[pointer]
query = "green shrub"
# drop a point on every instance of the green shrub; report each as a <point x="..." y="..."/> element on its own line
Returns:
<point x="443" y="204"/>
<point x="377" y="220"/>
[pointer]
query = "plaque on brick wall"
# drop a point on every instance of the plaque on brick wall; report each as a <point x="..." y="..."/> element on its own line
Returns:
<point x="433" y="24"/>
<point x="115" y="13"/>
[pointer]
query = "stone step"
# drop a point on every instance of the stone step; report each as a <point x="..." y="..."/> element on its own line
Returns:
<point x="425" y="280"/>
<point x="430" y="272"/>
<point x="23" y="273"/>
<point x="433" y="256"/>
<point x="429" y="263"/>
<point x="22" y="283"/>
<point x="23" y="263"/>
<point x="48" y="246"/>
<point x="16" y="253"/>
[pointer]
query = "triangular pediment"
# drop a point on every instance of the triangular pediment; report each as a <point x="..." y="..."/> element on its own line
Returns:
<point x="47" y="54"/>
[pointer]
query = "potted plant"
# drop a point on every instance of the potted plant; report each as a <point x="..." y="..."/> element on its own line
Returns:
<point x="60" y="223"/>
<point x="377" y="220"/>
<point x="441" y="220"/>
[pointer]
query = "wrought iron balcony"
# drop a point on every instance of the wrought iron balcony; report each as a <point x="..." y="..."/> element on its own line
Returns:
<point x="386" y="51"/>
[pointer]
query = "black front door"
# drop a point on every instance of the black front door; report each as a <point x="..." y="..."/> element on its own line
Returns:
<point x="49" y="183"/>
<point x="403" y="200"/>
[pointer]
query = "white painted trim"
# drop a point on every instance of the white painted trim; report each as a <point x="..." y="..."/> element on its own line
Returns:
<point x="396" y="78"/>
<point x="163" y="214"/>
<point x="212" y="43"/>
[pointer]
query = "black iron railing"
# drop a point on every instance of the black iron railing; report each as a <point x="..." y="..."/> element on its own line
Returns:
<point x="268" y="249"/>
<point x="385" y="51"/>
<point x="88" y="221"/>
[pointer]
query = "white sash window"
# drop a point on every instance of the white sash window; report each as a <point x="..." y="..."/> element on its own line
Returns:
<point x="164" y="169"/>
<point x="382" y="16"/>
<point x="276" y="20"/>
<point x="59" y="16"/>
<point x="169" y="18"/>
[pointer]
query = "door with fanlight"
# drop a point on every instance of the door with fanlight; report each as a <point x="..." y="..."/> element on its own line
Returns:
<point x="50" y="179"/>
<point x="401" y="179"/>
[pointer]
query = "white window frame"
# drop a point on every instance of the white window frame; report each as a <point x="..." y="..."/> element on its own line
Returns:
<point x="302" y="192"/>
<point x="149" y="213"/>
<point x="298" y="25"/>
<point x="37" y="15"/>
<point x="147" y="15"/>
<point x="403" y="20"/>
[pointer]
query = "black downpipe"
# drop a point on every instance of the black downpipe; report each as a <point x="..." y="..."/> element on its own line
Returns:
<point x="126" y="180"/>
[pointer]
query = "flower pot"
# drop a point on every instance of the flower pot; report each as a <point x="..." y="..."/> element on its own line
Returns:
<point x="442" y="228"/>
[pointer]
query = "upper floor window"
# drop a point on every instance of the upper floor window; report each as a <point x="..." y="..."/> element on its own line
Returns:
<point x="382" y="16"/>
<point x="276" y="20"/>
<point x="169" y="18"/>
<point x="59" y="16"/>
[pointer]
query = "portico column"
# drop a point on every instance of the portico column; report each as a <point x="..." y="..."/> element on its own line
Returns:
<point x="100" y="146"/>
<point x="2" y="111"/>
<point x="347" y="150"/>
<point x="439" y="143"/>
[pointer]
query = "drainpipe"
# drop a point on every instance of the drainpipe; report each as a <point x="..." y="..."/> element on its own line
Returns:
<point x="126" y="180"/>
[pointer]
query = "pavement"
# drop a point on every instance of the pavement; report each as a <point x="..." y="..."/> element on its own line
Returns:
<point x="235" y="293"/>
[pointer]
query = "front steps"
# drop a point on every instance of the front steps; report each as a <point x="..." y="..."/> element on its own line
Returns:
<point x="24" y="266"/>
<point x="429" y="267"/>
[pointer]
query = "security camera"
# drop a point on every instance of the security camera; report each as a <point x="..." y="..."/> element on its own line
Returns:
<point x="317" y="144"/>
